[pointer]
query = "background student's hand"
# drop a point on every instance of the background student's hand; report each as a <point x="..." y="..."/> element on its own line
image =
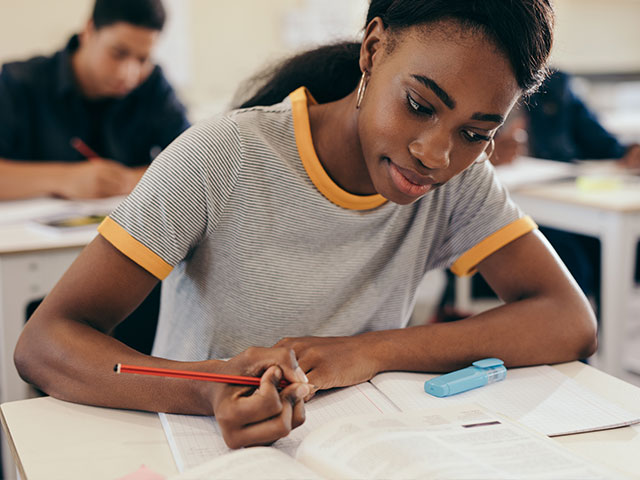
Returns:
<point x="97" y="178"/>
<point x="249" y="416"/>
<point x="510" y="143"/>
<point x="631" y="158"/>
<point x="333" y="361"/>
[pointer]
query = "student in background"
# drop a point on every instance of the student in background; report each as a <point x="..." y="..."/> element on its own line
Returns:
<point x="293" y="233"/>
<point x="555" y="124"/>
<point x="87" y="121"/>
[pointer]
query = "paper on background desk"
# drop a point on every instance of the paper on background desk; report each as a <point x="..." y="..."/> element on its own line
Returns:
<point x="20" y="211"/>
<point x="525" y="171"/>
<point x="528" y="171"/>
<point x="195" y="439"/>
<point x="541" y="398"/>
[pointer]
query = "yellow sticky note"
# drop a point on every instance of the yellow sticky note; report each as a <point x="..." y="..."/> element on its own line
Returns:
<point x="598" y="183"/>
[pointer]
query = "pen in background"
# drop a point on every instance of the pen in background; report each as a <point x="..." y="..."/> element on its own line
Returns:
<point x="83" y="148"/>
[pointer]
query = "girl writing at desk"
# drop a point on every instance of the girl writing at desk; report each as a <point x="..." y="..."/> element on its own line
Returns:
<point x="291" y="237"/>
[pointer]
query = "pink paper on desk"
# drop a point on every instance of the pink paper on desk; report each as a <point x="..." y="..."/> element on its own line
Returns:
<point x="143" y="473"/>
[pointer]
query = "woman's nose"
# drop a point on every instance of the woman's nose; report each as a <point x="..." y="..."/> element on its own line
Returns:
<point x="431" y="152"/>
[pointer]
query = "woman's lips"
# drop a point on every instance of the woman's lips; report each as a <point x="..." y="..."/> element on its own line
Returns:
<point x="408" y="182"/>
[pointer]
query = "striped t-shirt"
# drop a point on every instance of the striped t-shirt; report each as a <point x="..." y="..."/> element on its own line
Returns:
<point x="255" y="242"/>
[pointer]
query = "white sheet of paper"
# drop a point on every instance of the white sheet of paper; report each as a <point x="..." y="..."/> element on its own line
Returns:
<point x="539" y="397"/>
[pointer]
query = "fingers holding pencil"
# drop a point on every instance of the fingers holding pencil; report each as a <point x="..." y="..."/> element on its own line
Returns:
<point x="248" y="415"/>
<point x="265" y="416"/>
<point x="268" y="413"/>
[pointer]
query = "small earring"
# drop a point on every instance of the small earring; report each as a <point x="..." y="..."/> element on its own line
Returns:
<point x="362" y="86"/>
<point x="492" y="144"/>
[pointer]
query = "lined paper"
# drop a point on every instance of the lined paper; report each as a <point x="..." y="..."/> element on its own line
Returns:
<point x="541" y="398"/>
<point x="195" y="439"/>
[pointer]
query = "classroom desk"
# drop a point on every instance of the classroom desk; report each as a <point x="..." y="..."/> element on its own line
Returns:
<point x="612" y="216"/>
<point x="51" y="439"/>
<point x="31" y="262"/>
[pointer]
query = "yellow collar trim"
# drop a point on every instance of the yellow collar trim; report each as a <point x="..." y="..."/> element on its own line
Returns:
<point x="300" y="99"/>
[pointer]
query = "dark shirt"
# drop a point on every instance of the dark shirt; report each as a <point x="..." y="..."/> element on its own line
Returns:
<point x="561" y="127"/>
<point x="42" y="109"/>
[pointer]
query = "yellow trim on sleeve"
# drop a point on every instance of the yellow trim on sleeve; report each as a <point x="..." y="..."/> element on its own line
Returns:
<point x="300" y="99"/>
<point x="469" y="260"/>
<point x="132" y="248"/>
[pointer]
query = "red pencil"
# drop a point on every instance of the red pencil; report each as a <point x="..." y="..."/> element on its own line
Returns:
<point x="208" y="377"/>
<point x="83" y="148"/>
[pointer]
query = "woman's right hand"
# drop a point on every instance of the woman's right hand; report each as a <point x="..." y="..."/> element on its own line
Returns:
<point x="249" y="416"/>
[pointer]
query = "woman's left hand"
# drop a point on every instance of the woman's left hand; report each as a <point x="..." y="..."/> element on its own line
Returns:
<point x="333" y="361"/>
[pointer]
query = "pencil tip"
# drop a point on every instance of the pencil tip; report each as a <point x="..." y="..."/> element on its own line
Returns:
<point x="116" y="368"/>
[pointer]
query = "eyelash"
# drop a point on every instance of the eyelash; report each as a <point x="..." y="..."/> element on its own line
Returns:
<point x="417" y="109"/>
<point x="475" y="137"/>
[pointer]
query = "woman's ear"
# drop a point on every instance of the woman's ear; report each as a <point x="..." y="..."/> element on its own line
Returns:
<point x="372" y="44"/>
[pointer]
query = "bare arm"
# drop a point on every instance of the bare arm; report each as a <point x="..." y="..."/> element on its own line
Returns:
<point x="546" y="319"/>
<point x="64" y="350"/>
<point x="631" y="158"/>
<point x="93" y="178"/>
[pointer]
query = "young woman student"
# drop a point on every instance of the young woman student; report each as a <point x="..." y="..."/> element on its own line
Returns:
<point x="291" y="237"/>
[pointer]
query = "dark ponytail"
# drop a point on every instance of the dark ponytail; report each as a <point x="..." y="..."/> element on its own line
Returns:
<point x="522" y="29"/>
<point x="330" y="73"/>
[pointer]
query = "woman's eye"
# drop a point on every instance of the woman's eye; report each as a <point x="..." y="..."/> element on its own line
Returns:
<point x="474" y="137"/>
<point x="415" y="107"/>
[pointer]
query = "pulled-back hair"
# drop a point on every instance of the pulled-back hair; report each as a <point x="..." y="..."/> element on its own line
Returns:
<point x="141" y="13"/>
<point x="522" y="29"/>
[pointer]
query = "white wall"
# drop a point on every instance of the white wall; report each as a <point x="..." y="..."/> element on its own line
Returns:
<point x="597" y="35"/>
<point x="229" y="45"/>
<point x="33" y="27"/>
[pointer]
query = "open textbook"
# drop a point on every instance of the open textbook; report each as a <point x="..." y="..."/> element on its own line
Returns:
<point x="541" y="398"/>
<point x="461" y="442"/>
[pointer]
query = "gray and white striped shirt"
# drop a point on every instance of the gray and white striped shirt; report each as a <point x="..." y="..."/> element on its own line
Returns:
<point x="257" y="243"/>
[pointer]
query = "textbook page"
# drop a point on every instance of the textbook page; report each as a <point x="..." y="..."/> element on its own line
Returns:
<point x="265" y="463"/>
<point x="195" y="439"/>
<point x="541" y="398"/>
<point x="459" y="442"/>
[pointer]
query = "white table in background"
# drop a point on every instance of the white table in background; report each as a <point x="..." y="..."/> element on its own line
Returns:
<point x="611" y="215"/>
<point x="31" y="262"/>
